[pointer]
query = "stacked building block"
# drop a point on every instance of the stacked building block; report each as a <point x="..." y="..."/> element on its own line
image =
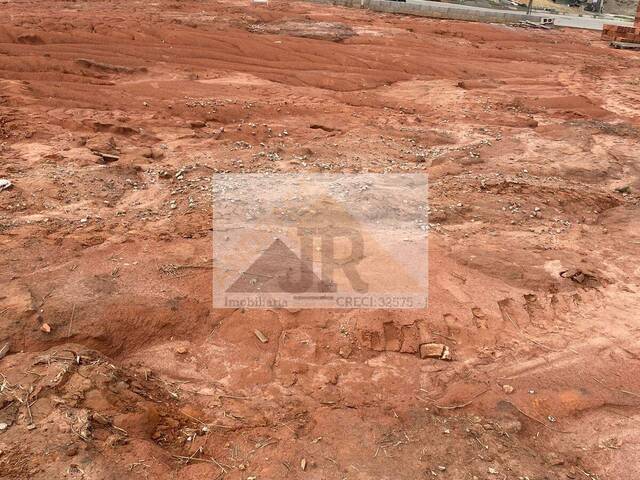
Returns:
<point x="617" y="33"/>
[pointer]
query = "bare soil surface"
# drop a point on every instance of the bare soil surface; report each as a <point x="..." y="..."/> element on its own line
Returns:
<point x="621" y="7"/>
<point x="113" y="117"/>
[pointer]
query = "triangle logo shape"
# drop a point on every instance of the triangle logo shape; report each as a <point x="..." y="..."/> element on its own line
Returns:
<point x="279" y="270"/>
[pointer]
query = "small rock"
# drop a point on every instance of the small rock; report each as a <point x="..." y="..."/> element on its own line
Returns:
<point x="3" y="427"/>
<point x="303" y="464"/>
<point x="4" y="350"/>
<point x="575" y="275"/>
<point x="5" y="184"/>
<point x="508" y="389"/>
<point x="181" y="350"/>
<point x="431" y="350"/>
<point x="45" y="327"/>
<point x="446" y="354"/>
<point x="492" y="471"/>
<point x="106" y="157"/>
<point x="510" y="425"/>
<point x="198" y="124"/>
<point x="71" y="450"/>
<point x="345" y="351"/>
<point x="100" y="419"/>
<point x="435" y="350"/>
<point x="261" y="336"/>
<point x="157" y="153"/>
<point x="553" y="459"/>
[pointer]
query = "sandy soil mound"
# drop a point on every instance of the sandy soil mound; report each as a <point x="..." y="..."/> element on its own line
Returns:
<point x="332" y="31"/>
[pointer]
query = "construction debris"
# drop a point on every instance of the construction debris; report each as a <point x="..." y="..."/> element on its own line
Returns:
<point x="5" y="184"/>
<point x="625" y="45"/>
<point x="623" y="36"/>
<point x="261" y="336"/>
<point x="580" y="277"/>
<point x="435" y="350"/>
<point x="529" y="24"/>
<point x="106" y="157"/>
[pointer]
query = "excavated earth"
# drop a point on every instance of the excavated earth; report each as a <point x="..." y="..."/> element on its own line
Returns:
<point x="119" y="367"/>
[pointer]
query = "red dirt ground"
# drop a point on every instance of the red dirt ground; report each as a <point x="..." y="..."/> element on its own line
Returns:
<point x="530" y="139"/>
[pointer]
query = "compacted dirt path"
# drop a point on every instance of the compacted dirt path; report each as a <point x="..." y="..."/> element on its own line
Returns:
<point x="113" y="117"/>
